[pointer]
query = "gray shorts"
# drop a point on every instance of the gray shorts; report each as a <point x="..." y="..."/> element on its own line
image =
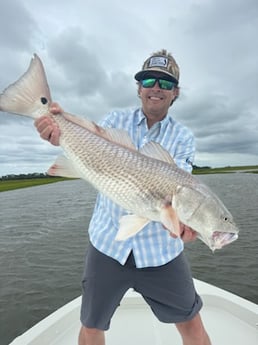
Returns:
<point x="168" y="289"/>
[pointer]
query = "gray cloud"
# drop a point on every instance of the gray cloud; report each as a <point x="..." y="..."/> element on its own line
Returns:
<point x="80" y="66"/>
<point x="92" y="50"/>
<point x="19" y="26"/>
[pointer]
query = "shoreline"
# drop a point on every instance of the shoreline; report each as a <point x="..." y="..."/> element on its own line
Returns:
<point x="16" y="183"/>
<point x="226" y="170"/>
<point x="13" y="184"/>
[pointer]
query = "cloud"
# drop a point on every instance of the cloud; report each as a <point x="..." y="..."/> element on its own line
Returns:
<point x="91" y="51"/>
<point x="19" y="30"/>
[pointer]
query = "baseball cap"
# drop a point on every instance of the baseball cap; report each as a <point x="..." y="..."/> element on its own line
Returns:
<point x="160" y="61"/>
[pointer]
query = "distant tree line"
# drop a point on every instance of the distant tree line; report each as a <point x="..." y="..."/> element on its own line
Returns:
<point x="24" y="176"/>
<point x="195" y="167"/>
<point x="43" y="175"/>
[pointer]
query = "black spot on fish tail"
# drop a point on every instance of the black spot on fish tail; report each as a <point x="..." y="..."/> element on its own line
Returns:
<point x="43" y="100"/>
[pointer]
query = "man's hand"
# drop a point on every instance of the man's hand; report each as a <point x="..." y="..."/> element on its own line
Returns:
<point x="187" y="234"/>
<point x="47" y="128"/>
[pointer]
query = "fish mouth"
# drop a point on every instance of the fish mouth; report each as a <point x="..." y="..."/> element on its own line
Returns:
<point x="221" y="239"/>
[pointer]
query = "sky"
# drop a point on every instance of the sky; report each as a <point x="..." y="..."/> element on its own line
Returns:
<point x="91" y="50"/>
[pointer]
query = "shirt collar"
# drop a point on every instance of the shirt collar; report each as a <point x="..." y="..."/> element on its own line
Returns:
<point x="142" y="118"/>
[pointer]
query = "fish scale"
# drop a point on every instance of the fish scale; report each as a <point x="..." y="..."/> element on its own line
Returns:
<point x="109" y="167"/>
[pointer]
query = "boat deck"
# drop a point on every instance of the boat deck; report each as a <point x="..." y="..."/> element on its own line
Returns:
<point x="228" y="319"/>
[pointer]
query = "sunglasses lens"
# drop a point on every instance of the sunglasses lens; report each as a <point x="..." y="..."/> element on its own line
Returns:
<point x="163" y="84"/>
<point x="166" y="84"/>
<point x="148" y="82"/>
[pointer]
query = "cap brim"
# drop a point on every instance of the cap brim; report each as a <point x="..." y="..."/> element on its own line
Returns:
<point x="144" y="73"/>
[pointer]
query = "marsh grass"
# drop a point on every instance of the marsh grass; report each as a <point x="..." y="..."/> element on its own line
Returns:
<point x="226" y="170"/>
<point x="6" y="185"/>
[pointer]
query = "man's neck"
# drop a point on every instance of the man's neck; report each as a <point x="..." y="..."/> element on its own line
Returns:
<point x="151" y="120"/>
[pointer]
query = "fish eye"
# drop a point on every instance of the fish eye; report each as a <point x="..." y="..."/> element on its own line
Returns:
<point x="43" y="100"/>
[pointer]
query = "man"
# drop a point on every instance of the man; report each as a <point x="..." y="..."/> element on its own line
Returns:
<point x="152" y="262"/>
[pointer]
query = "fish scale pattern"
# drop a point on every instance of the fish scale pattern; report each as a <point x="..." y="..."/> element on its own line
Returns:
<point x="134" y="181"/>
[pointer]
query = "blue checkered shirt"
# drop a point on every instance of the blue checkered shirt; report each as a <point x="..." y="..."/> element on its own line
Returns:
<point x="152" y="246"/>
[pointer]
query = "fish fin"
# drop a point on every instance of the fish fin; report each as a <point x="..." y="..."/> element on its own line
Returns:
<point x="30" y="94"/>
<point x="119" y="136"/>
<point x="130" y="225"/>
<point x="169" y="219"/>
<point x="115" y="135"/>
<point x="63" y="167"/>
<point x="83" y="122"/>
<point x="155" y="150"/>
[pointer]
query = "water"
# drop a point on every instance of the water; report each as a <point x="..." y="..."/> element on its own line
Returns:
<point x="43" y="238"/>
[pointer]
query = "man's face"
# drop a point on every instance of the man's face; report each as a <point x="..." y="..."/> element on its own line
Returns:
<point x="156" y="101"/>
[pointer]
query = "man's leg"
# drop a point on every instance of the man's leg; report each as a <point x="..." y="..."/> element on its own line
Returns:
<point x="193" y="332"/>
<point x="91" y="336"/>
<point x="105" y="282"/>
<point x="170" y="292"/>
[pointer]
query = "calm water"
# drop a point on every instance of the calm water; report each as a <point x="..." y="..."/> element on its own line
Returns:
<point x="43" y="237"/>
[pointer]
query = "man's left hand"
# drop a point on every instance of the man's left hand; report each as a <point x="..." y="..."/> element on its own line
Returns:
<point x="187" y="234"/>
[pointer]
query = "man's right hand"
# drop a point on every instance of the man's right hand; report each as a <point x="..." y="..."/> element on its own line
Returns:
<point x="47" y="128"/>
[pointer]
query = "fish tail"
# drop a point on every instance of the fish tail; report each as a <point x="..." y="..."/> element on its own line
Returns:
<point x="30" y="94"/>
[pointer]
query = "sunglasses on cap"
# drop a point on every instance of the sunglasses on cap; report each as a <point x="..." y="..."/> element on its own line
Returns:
<point x="163" y="83"/>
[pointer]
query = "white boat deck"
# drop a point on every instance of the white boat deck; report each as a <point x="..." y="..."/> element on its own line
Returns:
<point x="229" y="320"/>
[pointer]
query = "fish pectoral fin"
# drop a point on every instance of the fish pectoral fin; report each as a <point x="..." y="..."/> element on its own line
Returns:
<point x="169" y="219"/>
<point x="130" y="225"/>
<point x="63" y="167"/>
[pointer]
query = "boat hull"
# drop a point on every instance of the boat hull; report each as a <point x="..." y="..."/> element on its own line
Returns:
<point x="229" y="319"/>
